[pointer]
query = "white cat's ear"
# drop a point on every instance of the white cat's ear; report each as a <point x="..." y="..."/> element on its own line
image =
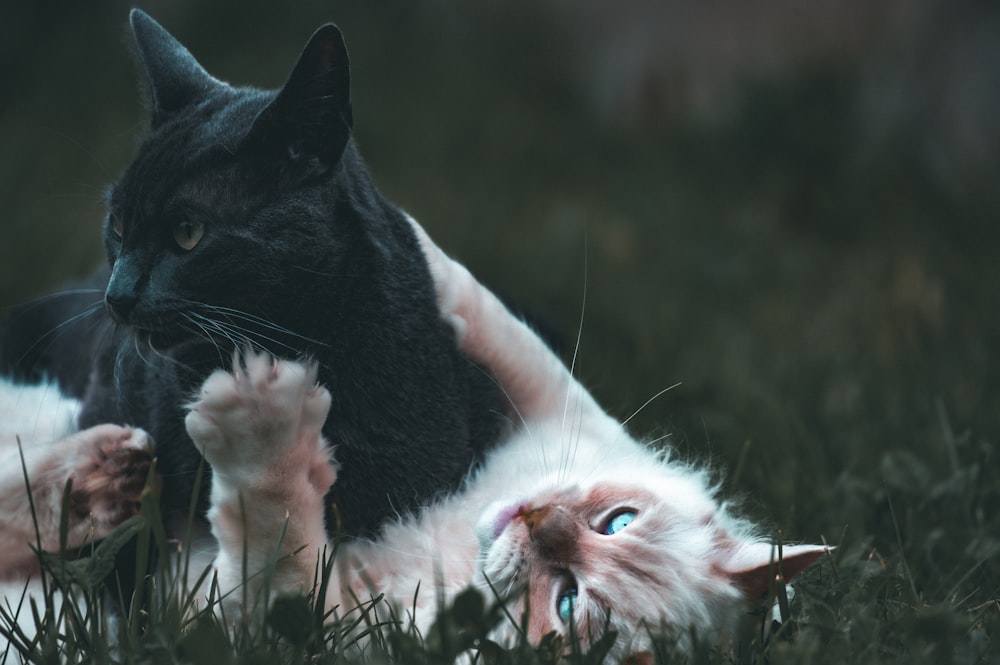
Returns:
<point x="754" y="567"/>
<point x="311" y="116"/>
<point x="175" y="78"/>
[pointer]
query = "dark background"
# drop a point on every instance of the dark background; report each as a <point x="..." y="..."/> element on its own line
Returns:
<point x="791" y="210"/>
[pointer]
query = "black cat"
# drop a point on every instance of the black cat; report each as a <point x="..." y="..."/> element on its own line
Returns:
<point x="248" y="219"/>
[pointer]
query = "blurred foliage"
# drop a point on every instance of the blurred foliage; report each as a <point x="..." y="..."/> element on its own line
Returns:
<point x="812" y="254"/>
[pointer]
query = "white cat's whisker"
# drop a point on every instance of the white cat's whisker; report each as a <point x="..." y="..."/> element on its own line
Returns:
<point x="657" y="440"/>
<point x="650" y="401"/>
<point x="511" y="402"/>
<point x="569" y="451"/>
<point x="543" y="446"/>
<point x="570" y="432"/>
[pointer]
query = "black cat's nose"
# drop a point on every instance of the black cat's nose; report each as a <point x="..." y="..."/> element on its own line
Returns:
<point x="120" y="304"/>
<point x="121" y="296"/>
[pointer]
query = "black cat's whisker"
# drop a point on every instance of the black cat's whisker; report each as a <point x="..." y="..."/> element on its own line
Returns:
<point x="139" y="344"/>
<point x="240" y="338"/>
<point x="206" y="326"/>
<point x="212" y="329"/>
<point x="252" y="318"/>
<point x="138" y="350"/>
<point x="160" y="354"/>
<point x="200" y="329"/>
<point x="117" y="368"/>
<point x="39" y="300"/>
<point x="50" y="336"/>
<point x="319" y="273"/>
<point x="241" y="335"/>
<point x="257" y="344"/>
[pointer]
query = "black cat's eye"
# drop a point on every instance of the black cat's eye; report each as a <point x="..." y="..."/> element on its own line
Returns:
<point x="188" y="234"/>
<point x="115" y="224"/>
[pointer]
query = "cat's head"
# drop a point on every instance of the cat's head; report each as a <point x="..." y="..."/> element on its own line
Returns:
<point x="632" y="550"/>
<point x="230" y="207"/>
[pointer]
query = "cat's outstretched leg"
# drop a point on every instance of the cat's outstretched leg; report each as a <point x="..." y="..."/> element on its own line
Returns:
<point x="259" y="429"/>
<point x="108" y="466"/>
<point x="535" y="380"/>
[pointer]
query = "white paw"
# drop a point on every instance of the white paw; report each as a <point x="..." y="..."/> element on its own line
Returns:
<point x="264" y="416"/>
<point x="109" y="479"/>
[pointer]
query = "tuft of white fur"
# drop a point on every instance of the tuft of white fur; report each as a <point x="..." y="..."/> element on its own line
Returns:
<point x="35" y="413"/>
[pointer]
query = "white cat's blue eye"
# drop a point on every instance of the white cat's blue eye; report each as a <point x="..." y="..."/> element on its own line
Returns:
<point x="619" y="522"/>
<point x="566" y="602"/>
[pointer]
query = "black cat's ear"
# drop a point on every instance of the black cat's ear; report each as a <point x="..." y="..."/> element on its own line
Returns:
<point x="175" y="78"/>
<point x="311" y="115"/>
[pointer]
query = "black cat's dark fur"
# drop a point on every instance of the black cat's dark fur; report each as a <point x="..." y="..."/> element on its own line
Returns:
<point x="247" y="218"/>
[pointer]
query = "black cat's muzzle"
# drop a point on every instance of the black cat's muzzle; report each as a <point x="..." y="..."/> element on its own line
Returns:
<point x="136" y="306"/>
<point x="120" y="307"/>
<point x="166" y="339"/>
<point x="163" y="337"/>
<point x="158" y="331"/>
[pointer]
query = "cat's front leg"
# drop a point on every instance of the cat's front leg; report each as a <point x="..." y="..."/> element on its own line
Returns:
<point x="535" y="380"/>
<point x="259" y="427"/>
<point x="108" y="466"/>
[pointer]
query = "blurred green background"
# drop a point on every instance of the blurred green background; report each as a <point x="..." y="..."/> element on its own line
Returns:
<point x="792" y="209"/>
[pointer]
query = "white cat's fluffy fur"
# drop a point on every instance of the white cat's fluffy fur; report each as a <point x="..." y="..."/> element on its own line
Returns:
<point x="530" y="523"/>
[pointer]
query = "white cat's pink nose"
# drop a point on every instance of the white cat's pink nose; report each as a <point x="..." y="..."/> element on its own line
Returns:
<point x="554" y="531"/>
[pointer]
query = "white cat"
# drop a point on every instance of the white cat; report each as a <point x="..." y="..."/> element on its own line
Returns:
<point x="569" y="516"/>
